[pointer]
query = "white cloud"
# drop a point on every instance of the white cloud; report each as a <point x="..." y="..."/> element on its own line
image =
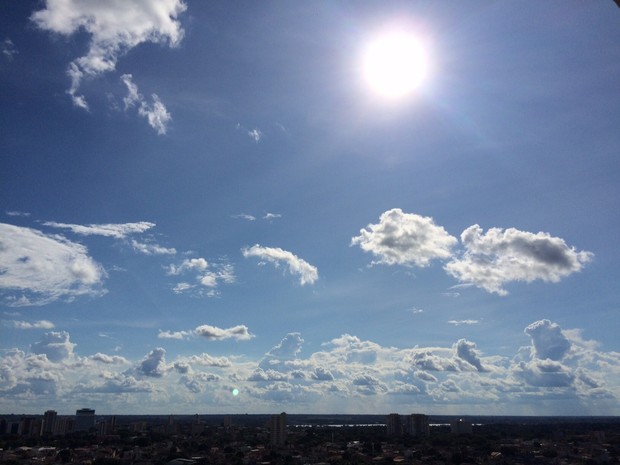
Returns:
<point x="109" y="359"/>
<point x="38" y="269"/>
<point x="466" y="350"/>
<point x="255" y="134"/>
<point x="154" y="364"/>
<point x="245" y="216"/>
<point x="548" y="339"/>
<point x="206" y="275"/>
<point x="156" y="113"/>
<point x="41" y="324"/>
<point x="205" y="359"/>
<point x="405" y="239"/>
<point x="174" y="334"/>
<point x="199" y="264"/>
<point x="56" y="345"/>
<point x="307" y="273"/>
<point x="117" y="231"/>
<point x="8" y="49"/>
<point x="288" y="347"/>
<point x="152" y="249"/>
<point x="490" y="260"/>
<point x="346" y="374"/>
<point x="114" y="29"/>
<point x="239" y="332"/>
<point x="463" y="322"/>
<point x="272" y="216"/>
<point x="16" y="213"/>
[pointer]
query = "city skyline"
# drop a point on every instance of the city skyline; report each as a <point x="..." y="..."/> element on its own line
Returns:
<point x="231" y="208"/>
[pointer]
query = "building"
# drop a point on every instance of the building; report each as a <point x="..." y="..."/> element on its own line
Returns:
<point x="416" y="424"/>
<point x="48" y="427"/>
<point x="84" y="419"/>
<point x="394" y="425"/>
<point x="277" y="429"/>
<point x="460" y="426"/>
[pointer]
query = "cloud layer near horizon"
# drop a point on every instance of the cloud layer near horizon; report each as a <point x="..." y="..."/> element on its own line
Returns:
<point x="346" y="374"/>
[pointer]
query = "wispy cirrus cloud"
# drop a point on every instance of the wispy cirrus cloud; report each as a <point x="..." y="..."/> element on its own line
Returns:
<point x="8" y="49"/>
<point x="156" y="112"/>
<point x="16" y="213"/>
<point x="463" y="322"/>
<point x="40" y="268"/>
<point x="307" y="273"/>
<point x="114" y="29"/>
<point x="41" y="324"/>
<point x="244" y="216"/>
<point x="115" y="230"/>
<point x="147" y="248"/>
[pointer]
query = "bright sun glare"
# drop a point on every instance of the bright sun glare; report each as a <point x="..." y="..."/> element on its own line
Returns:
<point x="395" y="64"/>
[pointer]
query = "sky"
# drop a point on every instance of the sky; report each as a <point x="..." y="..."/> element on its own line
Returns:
<point x="229" y="207"/>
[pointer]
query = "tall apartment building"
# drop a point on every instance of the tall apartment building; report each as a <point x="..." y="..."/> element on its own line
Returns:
<point x="48" y="427"/>
<point x="84" y="419"/>
<point x="277" y="427"/>
<point x="415" y="424"/>
<point x="394" y="425"/>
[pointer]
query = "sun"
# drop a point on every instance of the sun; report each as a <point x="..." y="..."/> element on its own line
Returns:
<point x="395" y="64"/>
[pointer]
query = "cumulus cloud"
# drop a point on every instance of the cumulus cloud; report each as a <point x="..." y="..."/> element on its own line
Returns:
<point x="548" y="339"/>
<point x="466" y="350"/>
<point x="545" y="373"/>
<point x="109" y="359"/>
<point x="154" y="364"/>
<point x="174" y="334"/>
<point x="197" y="383"/>
<point x="205" y="359"/>
<point x="156" y="113"/>
<point x="41" y="324"/>
<point x="55" y="345"/>
<point x="199" y="264"/>
<point x="36" y="269"/>
<point x="307" y="273"/>
<point x="206" y="275"/>
<point x="346" y="373"/>
<point x="322" y="374"/>
<point x="239" y="333"/>
<point x="288" y="347"/>
<point x="114" y="383"/>
<point x="405" y="239"/>
<point x="117" y="231"/>
<point x="500" y="256"/>
<point x="114" y="29"/>
<point x="272" y="216"/>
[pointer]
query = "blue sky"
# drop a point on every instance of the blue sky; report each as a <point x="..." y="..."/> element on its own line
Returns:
<point x="198" y="197"/>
